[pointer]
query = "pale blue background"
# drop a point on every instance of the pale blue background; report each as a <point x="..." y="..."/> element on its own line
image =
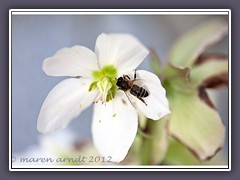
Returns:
<point x="36" y="37"/>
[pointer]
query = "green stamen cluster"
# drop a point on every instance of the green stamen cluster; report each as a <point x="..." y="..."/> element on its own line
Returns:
<point x="105" y="82"/>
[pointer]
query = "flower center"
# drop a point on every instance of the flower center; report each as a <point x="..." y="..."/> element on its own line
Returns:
<point x="105" y="82"/>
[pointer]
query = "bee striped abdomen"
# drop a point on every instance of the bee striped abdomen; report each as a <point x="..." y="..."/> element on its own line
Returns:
<point x="138" y="91"/>
<point x="144" y="92"/>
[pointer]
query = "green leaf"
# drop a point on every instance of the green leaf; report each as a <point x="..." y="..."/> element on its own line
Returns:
<point x="191" y="45"/>
<point x="174" y="72"/>
<point x="178" y="154"/>
<point x="154" y="146"/>
<point x="213" y="72"/>
<point x="195" y="124"/>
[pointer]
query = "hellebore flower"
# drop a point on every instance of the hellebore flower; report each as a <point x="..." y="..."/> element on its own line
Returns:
<point x="115" y="117"/>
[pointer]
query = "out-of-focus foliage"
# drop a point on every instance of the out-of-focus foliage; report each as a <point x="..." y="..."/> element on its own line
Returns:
<point x="194" y="126"/>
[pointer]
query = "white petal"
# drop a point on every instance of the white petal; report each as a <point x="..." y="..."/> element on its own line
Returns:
<point x="114" y="128"/>
<point x="64" y="102"/>
<point x="157" y="103"/>
<point x="123" y="51"/>
<point x="74" y="61"/>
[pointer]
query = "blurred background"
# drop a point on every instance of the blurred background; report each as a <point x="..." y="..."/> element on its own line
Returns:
<point x="36" y="37"/>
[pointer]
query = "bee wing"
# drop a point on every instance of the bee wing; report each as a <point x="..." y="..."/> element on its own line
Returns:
<point x="137" y="80"/>
<point x="141" y="83"/>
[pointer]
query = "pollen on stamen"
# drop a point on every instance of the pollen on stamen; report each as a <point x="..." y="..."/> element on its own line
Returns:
<point x="99" y="120"/>
<point x="114" y="115"/>
<point x="80" y="106"/>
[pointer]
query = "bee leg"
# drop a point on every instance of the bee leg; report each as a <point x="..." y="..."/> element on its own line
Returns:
<point x="142" y="101"/>
<point x="135" y="74"/>
<point x="129" y="100"/>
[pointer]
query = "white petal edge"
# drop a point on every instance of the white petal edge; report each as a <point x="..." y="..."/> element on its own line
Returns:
<point x="64" y="102"/>
<point x="123" y="51"/>
<point x="114" y="127"/>
<point x="74" y="61"/>
<point x="157" y="102"/>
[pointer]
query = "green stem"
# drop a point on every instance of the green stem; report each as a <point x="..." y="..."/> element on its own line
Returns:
<point x="154" y="142"/>
<point x="147" y="144"/>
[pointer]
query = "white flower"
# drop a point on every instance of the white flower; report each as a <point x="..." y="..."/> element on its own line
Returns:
<point x="115" y="118"/>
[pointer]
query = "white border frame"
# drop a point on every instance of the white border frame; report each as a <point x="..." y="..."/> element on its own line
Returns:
<point x="118" y="12"/>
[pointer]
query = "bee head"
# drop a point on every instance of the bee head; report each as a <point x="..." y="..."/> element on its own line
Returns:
<point x="119" y="81"/>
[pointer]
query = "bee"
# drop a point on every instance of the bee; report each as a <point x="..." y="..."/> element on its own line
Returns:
<point x="126" y="84"/>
